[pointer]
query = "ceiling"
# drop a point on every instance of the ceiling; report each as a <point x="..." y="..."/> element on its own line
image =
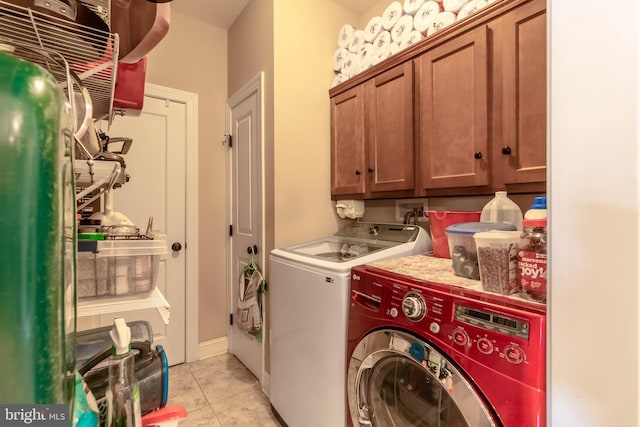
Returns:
<point x="222" y="13"/>
<point x="358" y="6"/>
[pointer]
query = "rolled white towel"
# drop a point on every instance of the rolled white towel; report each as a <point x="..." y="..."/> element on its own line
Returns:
<point x="410" y="39"/>
<point x="453" y="5"/>
<point x="425" y="16"/>
<point x="443" y="19"/>
<point x="394" y="48"/>
<point x="372" y="29"/>
<point x="356" y="41"/>
<point x="403" y="27"/>
<point x="351" y="66"/>
<point x="338" y="78"/>
<point x="412" y="6"/>
<point x="381" y="49"/>
<point x="338" y="58"/>
<point x="391" y="15"/>
<point x="383" y="39"/>
<point x="470" y="8"/>
<point x="345" y="35"/>
<point x="381" y="53"/>
<point x="366" y="56"/>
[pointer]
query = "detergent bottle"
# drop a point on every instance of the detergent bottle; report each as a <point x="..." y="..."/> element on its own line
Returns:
<point x="123" y="393"/>
<point x="503" y="210"/>
<point x="538" y="209"/>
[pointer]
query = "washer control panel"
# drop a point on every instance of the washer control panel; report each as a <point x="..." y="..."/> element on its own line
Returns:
<point x="414" y="307"/>
<point x="496" y="322"/>
<point x="469" y="327"/>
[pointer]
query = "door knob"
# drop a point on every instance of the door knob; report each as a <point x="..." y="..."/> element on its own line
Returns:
<point x="478" y="155"/>
<point x="506" y="150"/>
<point x="358" y="172"/>
<point x="176" y="247"/>
<point x="252" y="250"/>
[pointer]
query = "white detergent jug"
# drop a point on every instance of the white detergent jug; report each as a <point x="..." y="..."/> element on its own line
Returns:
<point x="503" y="210"/>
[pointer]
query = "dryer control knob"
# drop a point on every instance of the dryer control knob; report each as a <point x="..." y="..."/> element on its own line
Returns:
<point x="485" y="346"/>
<point x="414" y="307"/>
<point x="460" y="337"/>
<point x="514" y="354"/>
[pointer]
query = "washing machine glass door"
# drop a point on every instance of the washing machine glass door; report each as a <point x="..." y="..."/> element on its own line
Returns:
<point x="401" y="381"/>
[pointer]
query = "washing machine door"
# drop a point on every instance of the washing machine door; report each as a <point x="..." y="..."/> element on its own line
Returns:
<point x="397" y="380"/>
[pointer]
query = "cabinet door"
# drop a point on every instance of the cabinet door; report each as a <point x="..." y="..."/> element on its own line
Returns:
<point x="453" y="107"/>
<point x="347" y="142"/>
<point x="524" y="102"/>
<point x="390" y="136"/>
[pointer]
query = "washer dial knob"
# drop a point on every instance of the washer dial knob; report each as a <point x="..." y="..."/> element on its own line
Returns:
<point x="414" y="307"/>
<point x="485" y="346"/>
<point x="460" y="337"/>
<point x="514" y="354"/>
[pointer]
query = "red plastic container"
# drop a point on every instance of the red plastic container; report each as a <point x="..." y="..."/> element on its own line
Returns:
<point x="439" y="221"/>
<point x="129" y="91"/>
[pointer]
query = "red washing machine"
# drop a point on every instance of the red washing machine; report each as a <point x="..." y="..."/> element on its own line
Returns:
<point x="427" y="354"/>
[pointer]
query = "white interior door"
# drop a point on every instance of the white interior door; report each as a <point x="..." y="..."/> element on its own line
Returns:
<point x="156" y="163"/>
<point x="246" y="211"/>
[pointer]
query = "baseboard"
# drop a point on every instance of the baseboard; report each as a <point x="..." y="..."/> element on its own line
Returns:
<point x="212" y="348"/>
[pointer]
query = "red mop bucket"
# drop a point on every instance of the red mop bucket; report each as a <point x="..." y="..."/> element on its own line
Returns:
<point x="439" y="221"/>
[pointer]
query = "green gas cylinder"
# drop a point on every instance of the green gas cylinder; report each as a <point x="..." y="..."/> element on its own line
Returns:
<point x="37" y="228"/>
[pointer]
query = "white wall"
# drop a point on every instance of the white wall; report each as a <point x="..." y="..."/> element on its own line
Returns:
<point x="594" y="79"/>
<point x="305" y="38"/>
<point x="193" y="57"/>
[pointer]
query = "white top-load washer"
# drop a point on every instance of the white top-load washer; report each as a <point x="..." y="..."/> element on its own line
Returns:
<point x="309" y="302"/>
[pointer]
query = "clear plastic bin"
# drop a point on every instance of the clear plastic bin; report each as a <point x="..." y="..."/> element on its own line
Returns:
<point x="464" y="257"/>
<point x="497" y="260"/>
<point x="120" y="267"/>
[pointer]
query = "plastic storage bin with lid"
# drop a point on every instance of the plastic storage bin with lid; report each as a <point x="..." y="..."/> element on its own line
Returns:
<point x="464" y="257"/>
<point x="438" y="223"/>
<point x="497" y="260"/>
<point x="120" y="267"/>
<point x="503" y="210"/>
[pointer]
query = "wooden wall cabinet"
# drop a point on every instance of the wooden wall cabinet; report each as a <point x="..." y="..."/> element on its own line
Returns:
<point x="453" y="110"/>
<point x="520" y="111"/>
<point x="372" y="138"/>
<point x="347" y="142"/>
<point x="471" y="119"/>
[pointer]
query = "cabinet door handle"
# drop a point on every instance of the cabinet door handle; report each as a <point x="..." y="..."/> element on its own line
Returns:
<point x="358" y="172"/>
<point x="478" y="155"/>
<point x="506" y="150"/>
<point x="370" y="170"/>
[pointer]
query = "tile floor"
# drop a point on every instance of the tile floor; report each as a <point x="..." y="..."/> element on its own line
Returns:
<point x="219" y="392"/>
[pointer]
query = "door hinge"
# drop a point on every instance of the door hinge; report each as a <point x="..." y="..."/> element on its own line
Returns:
<point x="230" y="229"/>
<point x="228" y="140"/>
<point x="231" y="319"/>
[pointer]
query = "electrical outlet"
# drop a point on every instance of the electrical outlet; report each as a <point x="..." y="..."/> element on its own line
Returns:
<point x="419" y="206"/>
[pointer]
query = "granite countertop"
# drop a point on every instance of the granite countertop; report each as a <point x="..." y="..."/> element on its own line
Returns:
<point x="429" y="269"/>
<point x="439" y="271"/>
